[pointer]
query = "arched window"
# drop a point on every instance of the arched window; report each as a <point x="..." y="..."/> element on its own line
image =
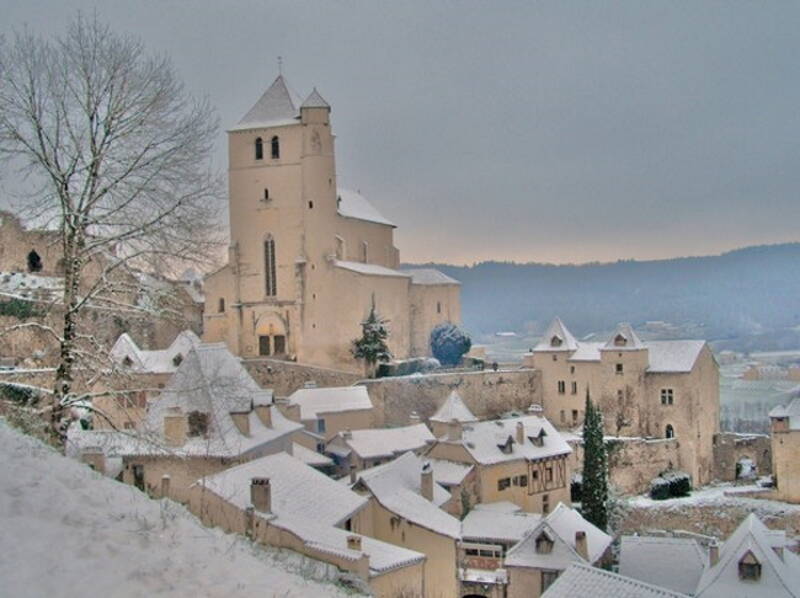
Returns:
<point x="34" y="262"/>
<point x="270" y="280"/>
<point x="259" y="149"/>
<point x="276" y="148"/>
<point x="669" y="432"/>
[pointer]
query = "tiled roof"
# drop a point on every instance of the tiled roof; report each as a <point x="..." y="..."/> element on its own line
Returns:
<point x="315" y="401"/>
<point x="584" y="580"/>
<point x="375" y="443"/>
<point x="674" y="563"/>
<point x="485" y="523"/>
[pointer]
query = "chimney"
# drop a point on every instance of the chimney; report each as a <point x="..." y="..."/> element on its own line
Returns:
<point x="242" y="421"/>
<point x="426" y="481"/>
<point x="165" y="481"/>
<point x="94" y="458"/>
<point x="454" y="430"/>
<point x="520" y="433"/>
<point x="413" y="418"/>
<point x="713" y="553"/>
<point x="347" y="434"/>
<point x="354" y="543"/>
<point x="176" y="427"/>
<point x="353" y="473"/>
<point x="261" y="494"/>
<point x="580" y="545"/>
<point x="264" y="413"/>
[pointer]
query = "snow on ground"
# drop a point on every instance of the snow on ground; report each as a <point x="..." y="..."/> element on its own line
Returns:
<point x="717" y="495"/>
<point x="69" y="532"/>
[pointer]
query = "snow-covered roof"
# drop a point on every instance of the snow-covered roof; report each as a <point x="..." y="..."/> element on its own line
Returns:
<point x="792" y="411"/>
<point x="354" y="205"/>
<point x="309" y="504"/>
<point x="508" y="526"/>
<point x="453" y="408"/>
<point x="274" y="108"/>
<point x="315" y="100"/>
<point x="670" y="357"/>
<point x="449" y="473"/>
<point x="559" y="527"/>
<point x="674" y="563"/>
<point x="309" y="457"/>
<point x="316" y="401"/>
<point x="780" y="574"/>
<point x="486" y="440"/>
<point x="557" y="338"/>
<point x="369" y="269"/>
<point x="115" y="541"/>
<point x="397" y="486"/>
<point x="428" y="276"/>
<point x="162" y="361"/>
<point x="376" y="443"/>
<point x="624" y="339"/>
<point x="583" y="580"/>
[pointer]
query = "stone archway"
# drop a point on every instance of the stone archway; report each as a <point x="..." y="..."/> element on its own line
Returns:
<point x="271" y="333"/>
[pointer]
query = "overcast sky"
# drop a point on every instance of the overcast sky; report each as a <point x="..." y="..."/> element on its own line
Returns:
<point x="552" y="132"/>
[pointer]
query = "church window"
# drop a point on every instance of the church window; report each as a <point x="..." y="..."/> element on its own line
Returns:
<point x="279" y="344"/>
<point x="667" y="396"/>
<point x="270" y="281"/>
<point x="221" y="305"/>
<point x="669" y="432"/>
<point x="259" y="149"/>
<point x="276" y="148"/>
<point x="34" y="262"/>
<point x="263" y="345"/>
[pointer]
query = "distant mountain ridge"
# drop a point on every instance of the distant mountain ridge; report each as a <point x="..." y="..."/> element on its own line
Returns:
<point x="753" y="291"/>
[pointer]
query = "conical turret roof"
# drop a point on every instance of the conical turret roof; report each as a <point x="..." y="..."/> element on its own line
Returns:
<point x="454" y="408"/>
<point x="624" y="338"/>
<point x="274" y="107"/>
<point x="314" y="100"/>
<point x="557" y="338"/>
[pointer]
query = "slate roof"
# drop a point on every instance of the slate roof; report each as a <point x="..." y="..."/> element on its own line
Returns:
<point x="453" y="408"/>
<point x="484" y="439"/>
<point x="673" y="563"/>
<point x="396" y="486"/>
<point x="316" y="401"/>
<point x="153" y="362"/>
<point x="780" y="575"/>
<point x="584" y="580"/>
<point x="428" y="276"/>
<point x="376" y="443"/>
<point x="274" y="108"/>
<point x="354" y="205"/>
<point x="624" y="339"/>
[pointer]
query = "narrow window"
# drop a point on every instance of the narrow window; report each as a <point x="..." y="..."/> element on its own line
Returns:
<point x="263" y="345"/>
<point x="555" y="357"/>
<point x="438" y="307"/>
<point x="574" y="388"/>
<point x="266" y="194"/>
<point x="364" y="250"/>
<point x="259" y="149"/>
<point x="321" y="426"/>
<point x="221" y="305"/>
<point x="619" y="368"/>
<point x="177" y="360"/>
<point x="270" y="282"/>
<point x="563" y="419"/>
<point x="545" y="504"/>
<point x="572" y="369"/>
<point x="276" y="148"/>
<point x="669" y="432"/>
<point x="574" y="416"/>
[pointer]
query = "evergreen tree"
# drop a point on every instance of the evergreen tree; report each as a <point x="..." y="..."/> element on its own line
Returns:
<point x="595" y="467"/>
<point x="372" y="347"/>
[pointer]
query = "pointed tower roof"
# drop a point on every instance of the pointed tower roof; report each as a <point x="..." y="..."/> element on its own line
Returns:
<point x="624" y="339"/>
<point x="453" y="408"/>
<point x="314" y="100"/>
<point x="557" y="338"/>
<point x="274" y="107"/>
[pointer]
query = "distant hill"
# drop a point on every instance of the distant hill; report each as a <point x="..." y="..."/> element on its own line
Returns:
<point x="750" y="293"/>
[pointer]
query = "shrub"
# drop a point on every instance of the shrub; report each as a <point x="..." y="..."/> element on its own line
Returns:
<point x="670" y="484"/>
<point x="19" y="308"/>
<point x="449" y="343"/>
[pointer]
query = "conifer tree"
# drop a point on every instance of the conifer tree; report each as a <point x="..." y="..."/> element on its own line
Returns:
<point x="372" y="347"/>
<point x="595" y="467"/>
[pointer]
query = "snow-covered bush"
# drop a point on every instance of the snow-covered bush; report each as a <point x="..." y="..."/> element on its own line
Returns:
<point x="670" y="484"/>
<point x="449" y="343"/>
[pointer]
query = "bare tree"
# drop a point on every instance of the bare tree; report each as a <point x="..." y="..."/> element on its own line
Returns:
<point x="116" y="158"/>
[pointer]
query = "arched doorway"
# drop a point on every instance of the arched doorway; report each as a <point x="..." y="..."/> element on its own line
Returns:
<point x="271" y="336"/>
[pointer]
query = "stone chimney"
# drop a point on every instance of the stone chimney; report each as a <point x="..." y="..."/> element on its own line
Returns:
<point x="261" y="494"/>
<point x="581" y="547"/>
<point x="242" y="421"/>
<point x="94" y="458"/>
<point x="176" y="427"/>
<point x="264" y="413"/>
<point x="454" y="429"/>
<point x="713" y="553"/>
<point x="353" y="473"/>
<point x="426" y="481"/>
<point x="413" y="418"/>
<point x="354" y="543"/>
<point x="520" y="433"/>
<point x="165" y="483"/>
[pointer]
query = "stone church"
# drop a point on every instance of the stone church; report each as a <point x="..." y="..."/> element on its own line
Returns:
<point x="307" y="258"/>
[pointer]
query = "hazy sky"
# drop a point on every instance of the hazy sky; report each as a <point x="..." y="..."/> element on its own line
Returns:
<point x="552" y="131"/>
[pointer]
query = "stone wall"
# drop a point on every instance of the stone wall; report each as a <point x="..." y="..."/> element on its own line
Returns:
<point x="285" y="377"/>
<point x="729" y="447"/>
<point x="486" y="393"/>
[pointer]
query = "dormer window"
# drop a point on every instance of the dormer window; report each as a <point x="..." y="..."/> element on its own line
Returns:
<point x="620" y="340"/>
<point x="507" y="447"/>
<point x="749" y="568"/>
<point x="556" y="341"/>
<point x="127" y="362"/>
<point x="177" y="360"/>
<point x="538" y="440"/>
<point x="276" y="148"/>
<point x="259" y="147"/>
<point x="544" y="545"/>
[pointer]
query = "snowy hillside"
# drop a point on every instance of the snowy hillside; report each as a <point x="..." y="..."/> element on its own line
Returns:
<point x="68" y="532"/>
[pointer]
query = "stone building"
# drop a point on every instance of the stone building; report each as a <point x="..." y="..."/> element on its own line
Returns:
<point x="786" y="450"/>
<point x="654" y="389"/>
<point x="307" y="259"/>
